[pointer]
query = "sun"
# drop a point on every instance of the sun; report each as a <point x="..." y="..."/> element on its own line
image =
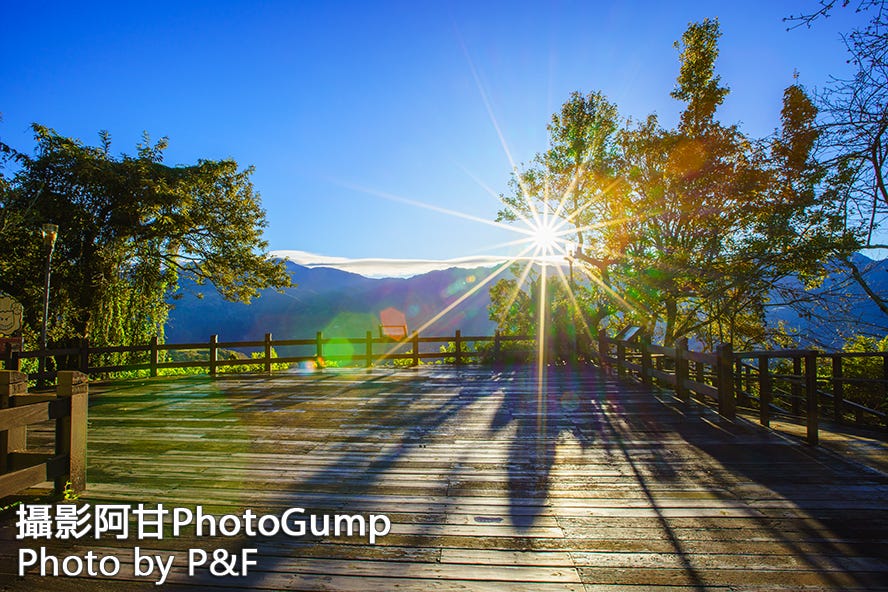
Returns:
<point x="545" y="237"/>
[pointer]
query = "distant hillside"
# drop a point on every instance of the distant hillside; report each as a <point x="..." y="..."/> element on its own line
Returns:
<point x="344" y="304"/>
<point x="839" y="310"/>
<point x="336" y="302"/>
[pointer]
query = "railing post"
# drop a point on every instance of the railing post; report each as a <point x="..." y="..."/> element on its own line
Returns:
<point x="11" y="383"/>
<point x="496" y="347"/>
<point x="603" y="349"/>
<point x="811" y="396"/>
<point x="838" y="388"/>
<point x="368" y="350"/>
<point x="796" y="387"/>
<point x="319" y="348"/>
<point x="84" y="355"/>
<point x="268" y="353"/>
<point x="71" y="429"/>
<point x="621" y="358"/>
<point x="154" y="356"/>
<point x="646" y="375"/>
<point x="723" y="374"/>
<point x="738" y="383"/>
<point x="458" y="357"/>
<point x="681" y="369"/>
<point x="214" y="353"/>
<point x="764" y="391"/>
<point x="11" y="359"/>
<point x="416" y="347"/>
<point x="885" y="375"/>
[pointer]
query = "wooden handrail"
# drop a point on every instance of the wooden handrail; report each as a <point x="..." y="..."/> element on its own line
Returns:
<point x="369" y="354"/>
<point x="686" y="372"/>
<point x="21" y="468"/>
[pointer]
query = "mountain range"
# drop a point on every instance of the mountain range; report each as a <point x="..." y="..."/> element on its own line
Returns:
<point x="345" y="304"/>
<point x="339" y="303"/>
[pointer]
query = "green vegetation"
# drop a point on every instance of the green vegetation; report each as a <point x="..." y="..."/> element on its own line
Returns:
<point x="687" y="231"/>
<point x="129" y="228"/>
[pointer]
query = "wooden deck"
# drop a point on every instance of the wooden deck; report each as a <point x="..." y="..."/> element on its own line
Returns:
<point x="592" y="485"/>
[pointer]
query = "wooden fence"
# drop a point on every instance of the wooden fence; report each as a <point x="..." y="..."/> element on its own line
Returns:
<point x="730" y="378"/>
<point x="364" y="351"/>
<point x="20" y="467"/>
<point x="802" y="383"/>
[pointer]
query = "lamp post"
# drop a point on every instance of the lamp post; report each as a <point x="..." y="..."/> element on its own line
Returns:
<point x="49" y="233"/>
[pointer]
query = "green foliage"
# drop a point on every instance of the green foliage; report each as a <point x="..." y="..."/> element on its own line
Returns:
<point x="129" y="228"/>
<point x="687" y="231"/>
<point x="870" y="395"/>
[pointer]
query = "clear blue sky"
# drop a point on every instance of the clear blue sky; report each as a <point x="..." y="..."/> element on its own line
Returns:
<point x="326" y="98"/>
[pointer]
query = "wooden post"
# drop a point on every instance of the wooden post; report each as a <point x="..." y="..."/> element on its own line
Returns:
<point x="621" y="358"/>
<point x="319" y="348"/>
<point x="681" y="369"/>
<point x="496" y="347"/>
<point x="724" y="363"/>
<point x="765" y="391"/>
<point x="71" y="429"/>
<point x="603" y="349"/>
<point x="84" y="355"/>
<point x="416" y="347"/>
<point x="838" y="388"/>
<point x="885" y="375"/>
<point x="458" y="357"/>
<point x="738" y="382"/>
<point x="11" y="383"/>
<point x="646" y="375"/>
<point x="214" y="352"/>
<point x="154" y="357"/>
<point x="268" y="353"/>
<point x="700" y="368"/>
<point x="368" y="350"/>
<point x="811" y="396"/>
<point x="12" y="361"/>
<point x="796" y="387"/>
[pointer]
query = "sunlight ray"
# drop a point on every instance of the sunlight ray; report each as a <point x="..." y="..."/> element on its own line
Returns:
<point x="458" y="301"/>
<point x="514" y="293"/>
<point x="575" y="180"/>
<point x="541" y="358"/>
<point x="573" y="299"/>
<point x="495" y="195"/>
<point x="427" y="206"/>
<point x="612" y="293"/>
<point x="589" y="203"/>
<point x="486" y="100"/>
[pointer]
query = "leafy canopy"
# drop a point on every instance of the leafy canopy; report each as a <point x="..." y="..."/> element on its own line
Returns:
<point x="130" y="227"/>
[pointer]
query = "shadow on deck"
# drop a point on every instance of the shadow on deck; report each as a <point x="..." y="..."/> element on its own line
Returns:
<point x="491" y="480"/>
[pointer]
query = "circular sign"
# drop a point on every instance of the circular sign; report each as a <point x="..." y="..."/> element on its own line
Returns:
<point x="10" y="315"/>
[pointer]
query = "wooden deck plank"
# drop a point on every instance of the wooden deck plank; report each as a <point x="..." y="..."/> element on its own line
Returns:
<point x="490" y="484"/>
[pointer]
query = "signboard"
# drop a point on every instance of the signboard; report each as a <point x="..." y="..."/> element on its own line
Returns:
<point x="10" y="315"/>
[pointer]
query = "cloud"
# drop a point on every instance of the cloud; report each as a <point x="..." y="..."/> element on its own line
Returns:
<point x="380" y="268"/>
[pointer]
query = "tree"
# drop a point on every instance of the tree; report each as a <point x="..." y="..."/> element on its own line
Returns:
<point x="575" y="184"/>
<point x="129" y="228"/>
<point x="694" y="228"/>
<point x="854" y="124"/>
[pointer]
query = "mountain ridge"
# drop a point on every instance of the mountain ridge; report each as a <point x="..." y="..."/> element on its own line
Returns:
<point x="346" y="304"/>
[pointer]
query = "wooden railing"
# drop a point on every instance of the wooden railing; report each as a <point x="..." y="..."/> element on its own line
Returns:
<point x="365" y="351"/>
<point x="20" y="467"/>
<point x="750" y="380"/>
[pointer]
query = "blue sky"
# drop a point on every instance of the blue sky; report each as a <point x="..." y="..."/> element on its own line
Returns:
<point x="341" y="106"/>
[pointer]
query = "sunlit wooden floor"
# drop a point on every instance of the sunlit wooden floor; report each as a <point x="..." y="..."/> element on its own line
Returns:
<point x="490" y="482"/>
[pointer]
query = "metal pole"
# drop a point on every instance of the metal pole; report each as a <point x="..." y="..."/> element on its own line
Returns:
<point x="49" y="232"/>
